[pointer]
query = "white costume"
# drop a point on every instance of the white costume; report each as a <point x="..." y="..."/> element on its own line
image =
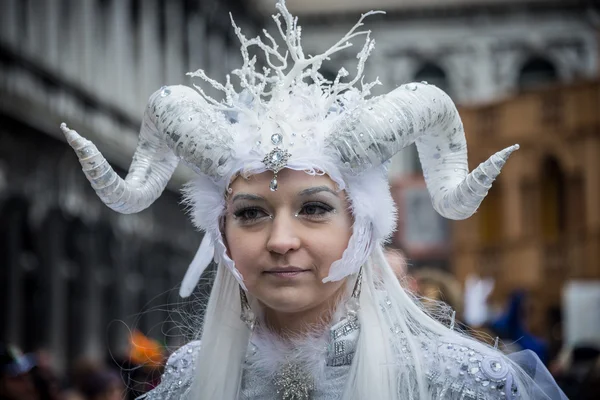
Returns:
<point x="455" y="371"/>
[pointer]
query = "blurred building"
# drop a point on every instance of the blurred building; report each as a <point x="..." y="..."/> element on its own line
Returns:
<point x="539" y="227"/>
<point x="73" y="273"/>
<point x="478" y="51"/>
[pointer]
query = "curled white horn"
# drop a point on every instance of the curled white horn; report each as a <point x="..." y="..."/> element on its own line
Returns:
<point x="178" y="125"/>
<point x="423" y="114"/>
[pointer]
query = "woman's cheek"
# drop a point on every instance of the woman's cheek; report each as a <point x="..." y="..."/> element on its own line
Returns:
<point x="246" y="253"/>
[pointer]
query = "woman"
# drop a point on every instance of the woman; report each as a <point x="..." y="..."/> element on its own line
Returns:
<point x="293" y="197"/>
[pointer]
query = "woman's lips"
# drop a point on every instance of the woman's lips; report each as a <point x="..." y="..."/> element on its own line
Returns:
<point x="287" y="272"/>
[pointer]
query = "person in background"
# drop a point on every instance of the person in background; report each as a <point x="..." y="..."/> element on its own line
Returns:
<point x="95" y="381"/>
<point x="103" y="384"/>
<point x="16" y="379"/>
<point x="45" y="377"/>
<point x="399" y="263"/>
<point x="435" y="285"/>
<point x="510" y="326"/>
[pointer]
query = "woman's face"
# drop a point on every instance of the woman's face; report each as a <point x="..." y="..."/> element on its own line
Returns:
<point x="284" y="242"/>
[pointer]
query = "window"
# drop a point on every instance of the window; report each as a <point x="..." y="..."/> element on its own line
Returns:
<point x="529" y="203"/>
<point x="552" y="207"/>
<point x="434" y="75"/>
<point x="491" y="217"/>
<point x="537" y="72"/>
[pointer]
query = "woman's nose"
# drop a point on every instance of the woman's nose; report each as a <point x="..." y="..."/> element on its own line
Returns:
<point x="284" y="235"/>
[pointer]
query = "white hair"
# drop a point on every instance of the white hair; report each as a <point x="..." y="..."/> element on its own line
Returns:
<point x="377" y="370"/>
<point x="225" y="339"/>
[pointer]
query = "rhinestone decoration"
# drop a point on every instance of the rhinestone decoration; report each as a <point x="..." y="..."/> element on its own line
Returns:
<point x="480" y="375"/>
<point x="176" y="378"/>
<point x="247" y="315"/>
<point x="494" y="368"/>
<point x="345" y="329"/>
<point x="275" y="161"/>
<point x="294" y="383"/>
<point x="165" y="92"/>
<point x="274" y="185"/>
<point x="353" y="306"/>
<point x="276" y="139"/>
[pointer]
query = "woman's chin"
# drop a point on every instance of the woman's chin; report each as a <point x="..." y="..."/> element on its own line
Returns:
<point x="287" y="304"/>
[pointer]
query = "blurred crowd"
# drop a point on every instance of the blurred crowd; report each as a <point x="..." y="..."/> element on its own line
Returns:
<point x="575" y="368"/>
<point x="33" y="376"/>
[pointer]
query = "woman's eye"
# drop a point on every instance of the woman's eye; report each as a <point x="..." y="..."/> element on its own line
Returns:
<point x="315" y="210"/>
<point x="250" y="214"/>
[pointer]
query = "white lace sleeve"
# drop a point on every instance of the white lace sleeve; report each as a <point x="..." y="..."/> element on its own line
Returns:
<point x="177" y="378"/>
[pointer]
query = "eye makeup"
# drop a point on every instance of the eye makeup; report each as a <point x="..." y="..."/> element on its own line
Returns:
<point x="314" y="204"/>
<point x="248" y="213"/>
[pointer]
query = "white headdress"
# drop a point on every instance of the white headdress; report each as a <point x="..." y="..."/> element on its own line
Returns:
<point x="287" y="115"/>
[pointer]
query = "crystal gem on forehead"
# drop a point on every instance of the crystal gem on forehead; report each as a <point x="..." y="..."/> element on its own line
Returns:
<point x="273" y="185"/>
<point x="276" y="159"/>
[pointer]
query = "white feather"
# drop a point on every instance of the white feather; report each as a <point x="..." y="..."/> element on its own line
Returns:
<point x="272" y="353"/>
<point x="201" y="260"/>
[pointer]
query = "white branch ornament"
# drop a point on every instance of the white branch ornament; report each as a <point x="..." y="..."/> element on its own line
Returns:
<point x="292" y="117"/>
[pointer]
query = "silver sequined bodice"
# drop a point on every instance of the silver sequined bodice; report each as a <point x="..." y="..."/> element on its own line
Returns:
<point x="454" y="371"/>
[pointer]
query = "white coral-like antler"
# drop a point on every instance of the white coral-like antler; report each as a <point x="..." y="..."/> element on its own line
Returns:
<point x="275" y="79"/>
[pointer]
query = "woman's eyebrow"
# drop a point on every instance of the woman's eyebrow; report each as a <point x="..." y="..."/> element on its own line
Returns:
<point x="316" y="189"/>
<point x="246" y="196"/>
